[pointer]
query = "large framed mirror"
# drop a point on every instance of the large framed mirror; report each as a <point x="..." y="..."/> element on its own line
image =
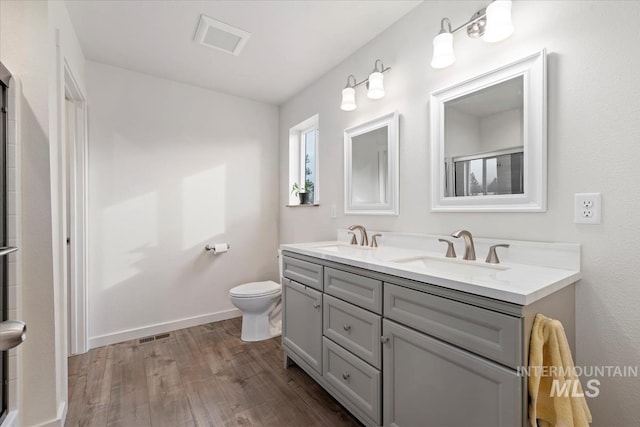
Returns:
<point x="489" y="141"/>
<point x="371" y="167"/>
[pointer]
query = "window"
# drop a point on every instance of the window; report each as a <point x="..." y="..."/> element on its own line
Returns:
<point x="303" y="162"/>
<point x="499" y="172"/>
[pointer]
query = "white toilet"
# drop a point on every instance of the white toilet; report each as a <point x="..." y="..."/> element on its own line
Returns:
<point x="261" y="309"/>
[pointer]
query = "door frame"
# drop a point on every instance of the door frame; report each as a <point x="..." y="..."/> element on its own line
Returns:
<point x="78" y="202"/>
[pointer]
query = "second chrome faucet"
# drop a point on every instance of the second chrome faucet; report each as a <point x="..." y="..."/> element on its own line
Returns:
<point x="364" y="240"/>
<point x="469" y="249"/>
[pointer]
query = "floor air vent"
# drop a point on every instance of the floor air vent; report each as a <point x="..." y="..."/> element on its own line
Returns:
<point x="218" y="35"/>
<point x="153" y="338"/>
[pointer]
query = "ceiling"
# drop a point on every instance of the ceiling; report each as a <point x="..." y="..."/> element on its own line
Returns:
<point x="292" y="44"/>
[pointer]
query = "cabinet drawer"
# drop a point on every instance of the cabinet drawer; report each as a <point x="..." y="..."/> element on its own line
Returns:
<point x="485" y="332"/>
<point x="356" y="380"/>
<point x="361" y="291"/>
<point x="353" y="328"/>
<point x="304" y="272"/>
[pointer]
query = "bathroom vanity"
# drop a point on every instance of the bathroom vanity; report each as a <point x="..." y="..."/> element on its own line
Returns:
<point x="402" y="336"/>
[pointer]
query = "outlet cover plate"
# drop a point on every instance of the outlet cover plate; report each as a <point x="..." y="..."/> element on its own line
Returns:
<point x="588" y="208"/>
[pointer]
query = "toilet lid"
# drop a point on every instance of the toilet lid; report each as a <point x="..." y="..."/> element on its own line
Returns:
<point x="255" y="289"/>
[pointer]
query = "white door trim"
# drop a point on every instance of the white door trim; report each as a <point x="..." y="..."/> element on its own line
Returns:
<point x="79" y="208"/>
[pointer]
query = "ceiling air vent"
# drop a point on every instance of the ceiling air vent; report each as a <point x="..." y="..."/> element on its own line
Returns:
<point x="218" y="35"/>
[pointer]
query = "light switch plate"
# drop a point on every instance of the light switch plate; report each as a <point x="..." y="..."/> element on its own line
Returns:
<point x="588" y="208"/>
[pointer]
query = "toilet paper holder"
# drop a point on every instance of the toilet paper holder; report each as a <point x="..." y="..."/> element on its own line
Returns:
<point x="212" y="248"/>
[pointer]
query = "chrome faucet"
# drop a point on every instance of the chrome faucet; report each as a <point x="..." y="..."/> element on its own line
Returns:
<point x="364" y="240"/>
<point x="492" y="256"/>
<point x="469" y="249"/>
<point x="451" y="251"/>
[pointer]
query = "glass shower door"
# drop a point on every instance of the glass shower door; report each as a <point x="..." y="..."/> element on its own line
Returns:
<point x="12" y="332"/>
<point x="3" y="242"/>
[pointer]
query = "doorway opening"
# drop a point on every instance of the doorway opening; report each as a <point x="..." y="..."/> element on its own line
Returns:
<point x="73" y="164"/>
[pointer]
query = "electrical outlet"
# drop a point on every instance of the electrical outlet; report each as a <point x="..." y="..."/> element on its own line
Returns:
<point x="588" y="208"/>
<point x="333" y="211"/>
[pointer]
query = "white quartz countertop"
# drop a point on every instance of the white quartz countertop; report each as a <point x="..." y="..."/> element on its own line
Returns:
<point x="511" y="282"/>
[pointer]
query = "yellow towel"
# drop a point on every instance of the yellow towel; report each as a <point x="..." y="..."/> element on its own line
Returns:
<point x="550" y="360"/>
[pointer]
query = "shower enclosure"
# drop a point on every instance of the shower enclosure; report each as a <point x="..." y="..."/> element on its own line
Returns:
<point x="12" y="332"/>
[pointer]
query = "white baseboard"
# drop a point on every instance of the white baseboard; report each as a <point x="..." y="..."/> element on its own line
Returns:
<point x="61" y="417"/>
<point x="11" y="420"/>
<point x="62" y="413"/>
<point x="160" y="328"/>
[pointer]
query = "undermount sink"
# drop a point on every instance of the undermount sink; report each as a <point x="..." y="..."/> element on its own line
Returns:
<point x="451" y="266"/>
<point x="346" y="249"/>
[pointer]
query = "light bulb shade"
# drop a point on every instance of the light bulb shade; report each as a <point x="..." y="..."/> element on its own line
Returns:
<point x="376" y="85"/>
<point x="348" y="99"/>
<point x="499" y="25"/>
<point x="443" y="55"/>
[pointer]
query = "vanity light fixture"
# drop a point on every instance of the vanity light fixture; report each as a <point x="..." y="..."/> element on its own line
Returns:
<point x="491" y="24"/>
<point x="349" y="94"/>
<point x="375" y="86"/>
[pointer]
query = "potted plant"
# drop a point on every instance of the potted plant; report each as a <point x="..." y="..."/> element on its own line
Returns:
<point x="304" y="192"/>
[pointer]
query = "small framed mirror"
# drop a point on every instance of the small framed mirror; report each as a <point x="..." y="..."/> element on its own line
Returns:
<point x="489" y="141"/>
<point x="371" y="166"/>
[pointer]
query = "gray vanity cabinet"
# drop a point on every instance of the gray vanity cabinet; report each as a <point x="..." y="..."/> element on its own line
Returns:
<point x="401" y="353"/>
<point x="302" y="327"/>
<point x="427" y="382"/>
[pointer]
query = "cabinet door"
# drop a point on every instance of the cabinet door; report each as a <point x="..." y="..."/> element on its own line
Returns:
<point x="427" y="382"/>
<point x="302" y="331"/>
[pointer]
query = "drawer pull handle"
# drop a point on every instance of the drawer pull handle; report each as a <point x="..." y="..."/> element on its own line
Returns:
<point x="347" y="326"/>
<point x="384" y="339"/>
<point x="346" y="376"/>
<point x="316" y="305"/>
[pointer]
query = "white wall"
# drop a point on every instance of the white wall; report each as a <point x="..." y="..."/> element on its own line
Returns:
<point x="25" y="46"/>
<point x="502" y="130"/>
<point x="462" y="133"/>
<point x="173" y="167"/>
<point x="594" y="105"/>
<point x="28" y="48"/>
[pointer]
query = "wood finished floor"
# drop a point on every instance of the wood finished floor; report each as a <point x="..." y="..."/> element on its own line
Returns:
<point x="201" y="376"/>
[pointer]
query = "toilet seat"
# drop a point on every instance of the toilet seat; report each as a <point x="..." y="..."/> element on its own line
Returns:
<point x="255" y="289"/>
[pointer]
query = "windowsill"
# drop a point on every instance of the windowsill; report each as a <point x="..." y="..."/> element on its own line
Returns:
<point x="306" y="205"/>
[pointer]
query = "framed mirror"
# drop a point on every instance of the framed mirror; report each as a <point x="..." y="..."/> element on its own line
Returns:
<point x="489" y="141"/>
<point x="371" y="167"/>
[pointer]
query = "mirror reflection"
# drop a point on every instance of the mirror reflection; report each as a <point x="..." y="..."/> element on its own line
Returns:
<point x="371" y="183"/>
<point x="489" y="140"/>
<point x="369" y="166"/>
<point x="484" y="141"/>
